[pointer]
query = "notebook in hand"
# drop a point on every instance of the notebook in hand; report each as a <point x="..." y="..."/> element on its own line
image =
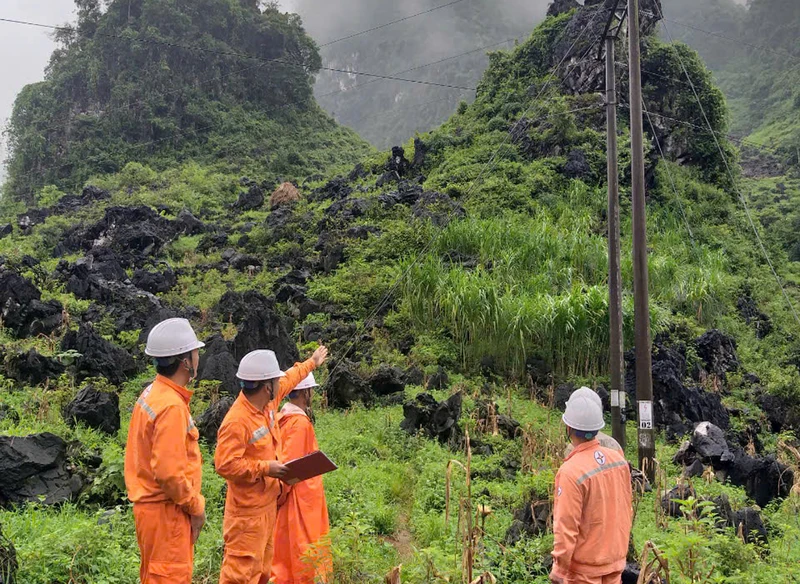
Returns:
<point x="308" y="466"/>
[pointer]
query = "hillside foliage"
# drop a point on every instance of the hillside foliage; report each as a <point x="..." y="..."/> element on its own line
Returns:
<point x="479" y="251"/>
<point x="220" y="81"/>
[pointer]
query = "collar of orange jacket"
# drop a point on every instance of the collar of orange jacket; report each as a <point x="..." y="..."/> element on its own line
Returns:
<point x="184" y="392"/>
<point x="593" y="443"/>
<point x="289" y="409"/>
<point x="249" y="405"/>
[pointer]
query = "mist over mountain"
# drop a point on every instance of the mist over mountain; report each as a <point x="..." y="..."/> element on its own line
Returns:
<point x="387" y="112"/>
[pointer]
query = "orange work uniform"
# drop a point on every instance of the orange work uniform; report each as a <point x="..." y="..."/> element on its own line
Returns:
<point x="163" y="473"/>
<point x="303" y="518"/>
<point x="592" y="515"/>
<point x="247" y="441"/>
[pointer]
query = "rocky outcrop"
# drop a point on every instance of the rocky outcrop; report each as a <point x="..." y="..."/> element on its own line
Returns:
<point x="252" y="198"/>
<point x="438" y="420"/>
<point x="439" y="380"/>
<point x="94" y="409"/>
<point x="98" y="357"/>
<point x="208" y="422"/>
<point x="345" y="386"/>
<point x="387" y="380"/>
<point x="678" y="404"/>
<point x="532" y="520"/>
<point x="718" y="352"/>
<point x="217" y="363"/>
<point x="35" y="468"/>
<point x="22" y="309"/>
<point x="763" y="477"/>
<point x="31" y="368"/>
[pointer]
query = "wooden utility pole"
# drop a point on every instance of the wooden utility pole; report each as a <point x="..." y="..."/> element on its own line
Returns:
<point x="614" y="271"/>
<point x="644" y="378"/>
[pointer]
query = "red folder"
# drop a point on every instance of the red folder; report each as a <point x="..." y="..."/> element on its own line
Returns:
<point x="307" y="467"/>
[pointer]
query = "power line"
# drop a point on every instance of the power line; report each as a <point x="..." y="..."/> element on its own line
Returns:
<point x="329" y="43"/>
<point x="240" y="55"/>
<point x="735" y="185"/>
<point x="416" y="68"/>
<point x="779" y="52"/>
<point x="489" y="165"/>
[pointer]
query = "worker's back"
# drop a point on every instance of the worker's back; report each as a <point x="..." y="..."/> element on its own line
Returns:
<point x="593" y="512"/>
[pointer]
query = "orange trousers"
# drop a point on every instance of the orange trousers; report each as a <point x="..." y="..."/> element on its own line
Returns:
<point x="574" y="578"/>
<point x="164" y="534"/>
<point x="249" y="547"/>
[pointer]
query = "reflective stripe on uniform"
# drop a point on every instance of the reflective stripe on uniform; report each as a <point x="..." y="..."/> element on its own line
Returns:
<point x="600" y="469"/>
<point x="192" y="425"/>
<point x="259" y="434"/>
<point x="147" y="409"/>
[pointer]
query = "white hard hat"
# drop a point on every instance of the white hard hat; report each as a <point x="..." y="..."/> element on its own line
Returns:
<point x="259" y="366"/>
<point x="307" y="383"/>
<point x="172" y="337"/>
<point x="590" y="393"/>
<point x="583" y="413"/>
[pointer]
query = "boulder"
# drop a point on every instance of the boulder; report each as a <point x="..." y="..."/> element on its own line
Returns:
<point x="710" y="444"/>
<point x="259" y="326"/>
<point x="335" y="189"/>
<point x="677" y="405"/>
<point x="532" y="520"/>
<point x="212" y="242"/>
<point x="437" y="419"/>
<point x="749" y="523"/>
<point x="31" y="368"/>
<point x="397" y="163"/>
<point x="8" y="560"/>
<point x="387" y="380"/>
<point x="286" y="193"/>
<point x="251" y="199"/>
<point x="718" y="352"/>
<point x="155" y="282"/>
<point x="6" y="229"/>
<point x="99" y="357"/>
<point x="217" y="363"/>
<point x="561" y="395"/>
<point x="208" y="422"/>
<point x="94" y="409"/>
<point x="35" y="468"/>
<point x="243" y="262"/>
<point x="763" y="478"/>
<point x="670" y="501"/>
<point x="188" y="224"/>
<point x="345" y="386"/>
<point x="420" y="152"/>
<point x="22" y="310"/>
<point x="438" y="380"/>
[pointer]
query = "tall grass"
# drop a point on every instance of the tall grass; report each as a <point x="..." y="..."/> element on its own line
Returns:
<point x="538" y="285"/>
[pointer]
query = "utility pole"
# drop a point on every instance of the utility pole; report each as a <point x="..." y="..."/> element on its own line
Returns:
<point x="614" y="270"/>
<point x="644" y="377"/>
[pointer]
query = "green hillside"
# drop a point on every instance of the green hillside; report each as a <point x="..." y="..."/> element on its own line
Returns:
<point x="472" y="262"/>
<point x="222" y="83"/>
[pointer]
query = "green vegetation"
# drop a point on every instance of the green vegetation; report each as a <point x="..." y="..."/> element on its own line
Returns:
<point x="521" y="276"/>
<point x="216" y="81"/>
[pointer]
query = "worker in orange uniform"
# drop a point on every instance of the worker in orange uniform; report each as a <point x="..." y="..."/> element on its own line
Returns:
<point x="247" y="456"/>
<point x="302" y="553"/>
<point x="162" y="459"/>
<point x="593" y="511"/>
<point x="603" y="438"/>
